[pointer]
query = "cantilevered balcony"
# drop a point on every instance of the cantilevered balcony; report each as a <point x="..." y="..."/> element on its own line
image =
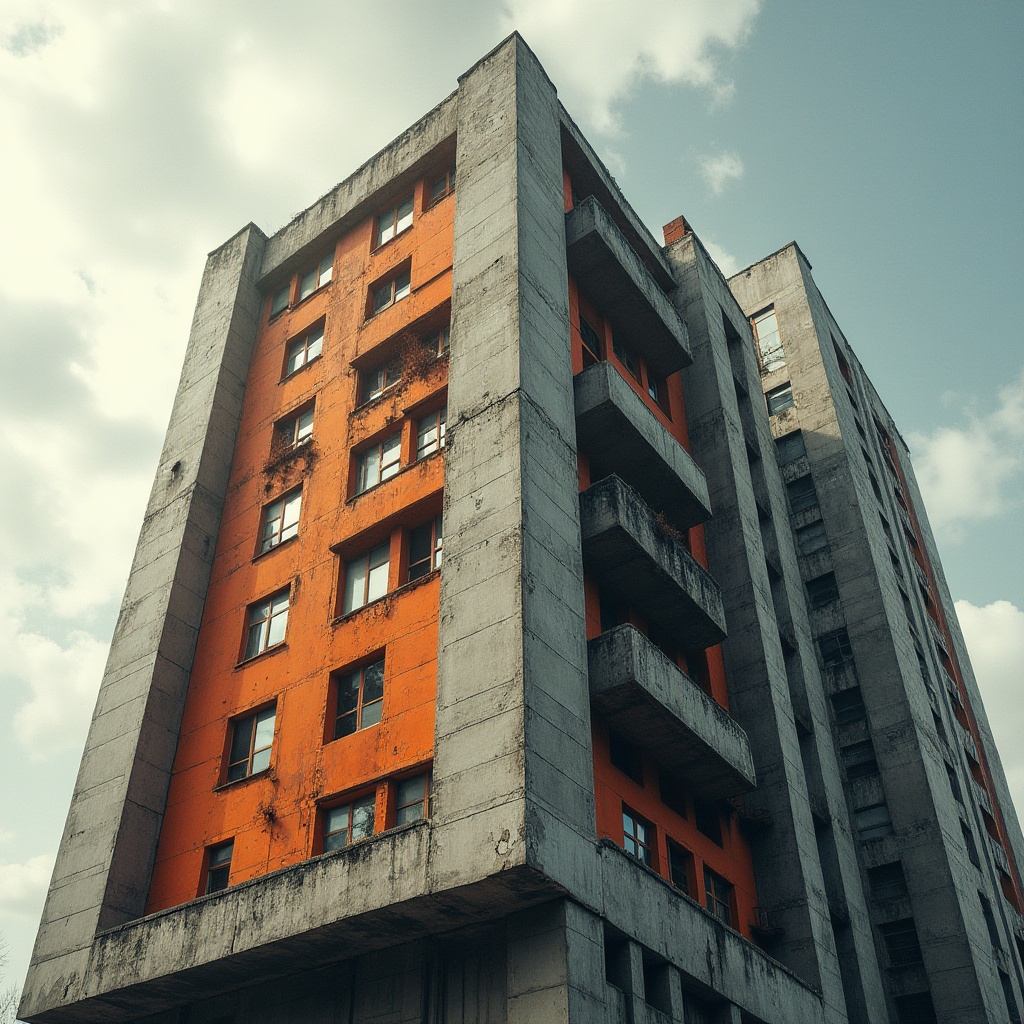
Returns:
<point x="627" y="548"/>
<point x="601" y="259"/>
<point x="620" y="435"/>
<point x="652" y="703"/>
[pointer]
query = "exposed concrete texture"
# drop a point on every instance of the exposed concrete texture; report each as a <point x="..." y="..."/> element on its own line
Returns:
<point x="620" y="435"/>
<point x="513" y="766"/>
<point x="650" y="701"/>
<point x="622" y="544"/>
<point x="644" y="319"/>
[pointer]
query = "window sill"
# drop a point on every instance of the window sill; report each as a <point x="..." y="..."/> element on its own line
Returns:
<point x="277" y="547"/>
<point x="391" y="305"/>
<point x="299" y="369"/>
<point x="263" y="654"/>
<point x="339" y="620"/>
<point x="261" y="774"/>
<point x="405" y="469"/>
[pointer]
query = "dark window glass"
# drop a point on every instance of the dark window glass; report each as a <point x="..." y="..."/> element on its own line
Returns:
<point x="626" y="757"/>
<point x="348" y="823"/>
<point x="591" y="344"/>
<point x="625" y="357"/>
<point x="425" y="547"/>
<point x="887" y="881"/>
<point x="708" y="820"/>
<point x="680" y="867"/>
<point x="218" y="866"/>
<point x="972" y="846"/>
<point x="790" y="448"/>
<point x="360" y="698"/>
<point x="811" y="538"/>
<point x="779" y="399"/>
<point x="638" y="837"/>
<point x="412" y="798"/>
<point x="848" y="706"/>
<point x="802" y="493"/>
<point x="872" y="822"/>
<point x="823" y="590"/>
<point x="835" y="648"/>
<point x="901" y="944"/>
<point x="718" y="896"/>
<point x="859" y="760"/>
<point x="916" y="1008"/>
<point x="673" y="796"/>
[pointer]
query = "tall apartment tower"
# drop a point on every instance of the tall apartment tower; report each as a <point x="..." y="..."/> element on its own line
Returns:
<point x="470" y="669"/>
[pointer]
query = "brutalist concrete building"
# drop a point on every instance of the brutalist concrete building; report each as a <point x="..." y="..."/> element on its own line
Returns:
<point x="528" y="625"/>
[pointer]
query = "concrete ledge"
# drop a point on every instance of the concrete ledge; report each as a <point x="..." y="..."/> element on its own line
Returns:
<point x="624" y="546"/>
<point x="620" y="435"/>
<point x="601" y="259"/>
<point x="652" y="702"/>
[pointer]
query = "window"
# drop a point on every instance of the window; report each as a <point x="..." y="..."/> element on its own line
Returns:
<point x="379" y="463"/>
<point x="673" y="796"/>
<point x="990" y="921"/>
<point x="954" y="783"/>
<point x="848" y="706"/>
<point x="279" y="302"/>
<point x="437" y="342"/>
<point x="769" y="344"/>
<point x="425" y="548"/>
<point x="637" y="837"/>
<point x="303" y="350"/>
<point x="391" y="291"/>
<point x="779" y="399"/>
<point x="430" y="433"/>
<point x="901" y="943"/>
<point x="887" y="881"/>
<point x="835" y="648"/>
<point x="280" y="521"/>
<point x="442" y="186"/>
<point x="359" y="698"/>
<point x="251" y="740"/>
<point x="591" y="344"/>
<point x="366" y="578"/>
<point x="859" y="760"/>
<point x="626" y="757"/>
<point x="295" y="430"/>
<point x="811" y="538"/>
<point x="708" y="820"/>
<point x="316" y="277"/>
<point x="218" y="866"/>
<point x="348" y="823"/>
<point x="625" y="357"/>
<point x="412" y="799"/>
<point x="267" y="621"/>
<point x="680" y="867"/>
<point x="718" y="896"/>
<point x="790" y="447"/>
<point x="1010" y="999"/>
<point x="802" y="493"/>
<point x="394" y="222"/>
<point x="658" y="391"/>
<point x="971" y="844"/>
<point x="823" y="590"/>
<point x="872" y="822"/>
<point x="916" y="1008"/>
<point x="374" y="382"/>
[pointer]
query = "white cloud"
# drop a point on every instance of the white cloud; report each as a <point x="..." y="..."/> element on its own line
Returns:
<point x="727" y="263"/>
<point x="719" y="171"/>
<point x="23" y="885"/>
<point x="597" y="51"/>
<point x="973" y="472"/>
<point x="995" y="639"/>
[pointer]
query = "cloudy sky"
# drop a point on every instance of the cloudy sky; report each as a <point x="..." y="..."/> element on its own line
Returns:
<point x="138" y="135"/>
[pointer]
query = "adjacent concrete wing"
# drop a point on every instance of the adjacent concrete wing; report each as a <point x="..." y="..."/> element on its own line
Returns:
<point x="643" y="317"/>
<point x="651" y="702"/>
<point x="624" y="545"/>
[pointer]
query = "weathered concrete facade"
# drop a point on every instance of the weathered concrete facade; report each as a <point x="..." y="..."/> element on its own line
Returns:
<point x="621" y="616"/>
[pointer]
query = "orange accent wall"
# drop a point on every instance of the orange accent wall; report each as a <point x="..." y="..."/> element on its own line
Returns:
<point x="272" y="816"/>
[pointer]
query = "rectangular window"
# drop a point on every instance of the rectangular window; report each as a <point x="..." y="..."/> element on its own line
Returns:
<point x="673" y="796"/>
<point x="279" y="302"/>
<point x="442" y="186"/>
<point x="872" y="822"/>
<point x="218" y="866"/>
<point x="316" y="277"/>
<point x="626" y="357"/>
<point x="359" y="698"/>
<point x="626" y="757"/>
<point x="708" y="820"/>
<point x="680" y="867"/>
<point x="835" y="648"/>
<point x="391" y="291"/>
<point x="280" y="520"/>
<point x="591" y="344"/>
<point x="901" y="943"/>
<point x="859" y="760"/>
<point x="971" y="844"/>
<point x="822" y="590"/>
<point x="718" y="896"/>
<point x="348" y="823"/>
<point x="1009" y="998"/>
<point x="366" y="578"/>
<point x="374" y="382"/>
<point x="379" y="463"/>
<point x="437" y="342"/>
<point x="990" y="921"/>
<point x="267" y="622"/>
<point x="887" y="882"/>
<point x="769" y="344"/>
<point x="811" y="538"/>
<point x="916" y="1008"/>
<point x="303" y="350"/>
<point x="779" y="399"/>
<point x="251" y="740"/>
<point x="802" y="494"/>
<point x="412" y="799"/>
<point x="790" y="448"/>
<point x="294" y="430"/>
<point x="425" y="548"/>
<point x="394" y="221"/>
<point x="637" y="837"/>
<point x="430" y="433"/>
<point x="658" y="390"/>
<point x="848" y="706"/>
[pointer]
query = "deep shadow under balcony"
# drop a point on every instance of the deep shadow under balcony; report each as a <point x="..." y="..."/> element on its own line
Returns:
<point x="654" y="704"/>
<point x="627" y="549"/>
<point x="620" y="435"/>
<point x="606" y="267"/>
